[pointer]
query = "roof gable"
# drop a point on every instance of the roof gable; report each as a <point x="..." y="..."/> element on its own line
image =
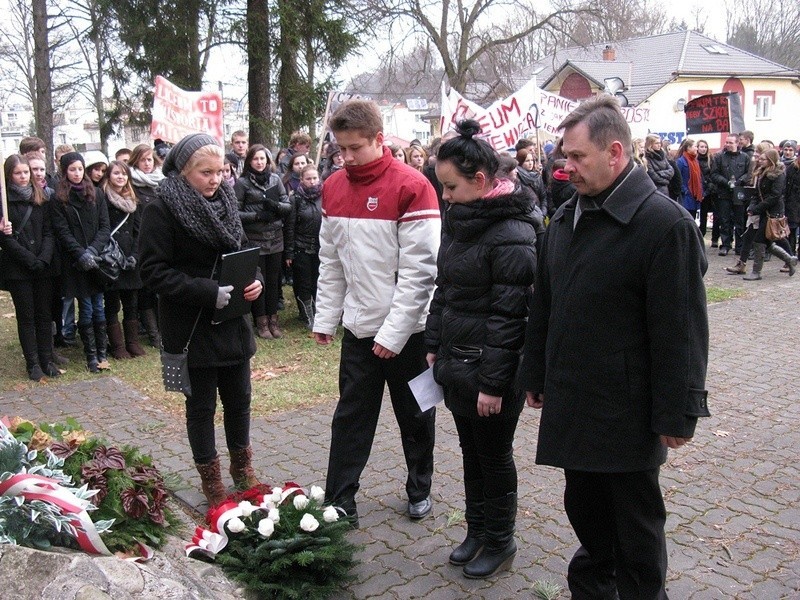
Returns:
<point x="646" y="64"/>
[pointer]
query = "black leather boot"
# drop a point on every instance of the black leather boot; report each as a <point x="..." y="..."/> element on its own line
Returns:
<point x="791" y="261"/>
<point x="150" y="323"/>
<point x="89" y="349"/>
<point x="101" y="344"/>
<point x="476" y="526"/>
<point x="44" y="345"/>
<point x="499" y="548"/>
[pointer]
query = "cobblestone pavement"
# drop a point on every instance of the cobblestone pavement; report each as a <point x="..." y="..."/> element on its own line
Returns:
<point x="733" y="495"/>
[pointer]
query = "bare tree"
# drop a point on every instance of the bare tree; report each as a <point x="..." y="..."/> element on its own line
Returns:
<point x="463" y="32"/>
<point x="768" y="28"/>
<point x="39" y="66"/>
<point x="616" y="20"/>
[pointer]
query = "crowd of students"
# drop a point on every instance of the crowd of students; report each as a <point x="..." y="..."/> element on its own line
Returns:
<point x="58" y="225"/>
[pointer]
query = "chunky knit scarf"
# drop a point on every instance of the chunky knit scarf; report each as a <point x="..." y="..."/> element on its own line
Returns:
<point x="212" y="221"/>
<point x="123" y="203"/>
<point x="24" y="192"/>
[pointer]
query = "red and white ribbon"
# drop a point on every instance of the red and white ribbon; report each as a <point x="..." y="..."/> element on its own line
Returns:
<point x="36" y="487"/>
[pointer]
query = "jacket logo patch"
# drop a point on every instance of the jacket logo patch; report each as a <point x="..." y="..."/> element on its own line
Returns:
<point x="372" y="203"/>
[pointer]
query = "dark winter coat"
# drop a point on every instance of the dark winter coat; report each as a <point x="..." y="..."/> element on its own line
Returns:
<point x="28" y="252"/>
<point x="533" y="181"/>
<point x="303" y="224"/>
<point x="145" y="194"/>
<point x="659" y="170"/>
<point x="476" y="324"/>
<point x="561" y="189"/>
<point x="75" y="236"/>
<point x="791" y="194"/>
<point x="617" y="336"/>
<point x="179" y="269"/>
<point x="728" y="166"/>
<point x="127" y="237"/>
<point x="262" y="215"/>
<point x="768" y="201"/>
<point x="675" y="185"/>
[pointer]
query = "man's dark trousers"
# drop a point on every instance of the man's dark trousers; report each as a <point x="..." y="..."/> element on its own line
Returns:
<point x="619" y="520"/>
<point x="362" y="378"/>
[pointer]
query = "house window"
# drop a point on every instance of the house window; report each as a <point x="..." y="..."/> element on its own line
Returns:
<point x="764" y="101"/>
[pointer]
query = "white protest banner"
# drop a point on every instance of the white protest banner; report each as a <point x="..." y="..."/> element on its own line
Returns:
<point x="177" y="113"/>
<point x="528" y="109"/>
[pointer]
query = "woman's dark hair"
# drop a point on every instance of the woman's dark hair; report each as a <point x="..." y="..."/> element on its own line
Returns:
<point x="469" y="154"/>
<point x="251" y="152"/>
<point x="64" y="186"/>
<point x="12" y="162"/>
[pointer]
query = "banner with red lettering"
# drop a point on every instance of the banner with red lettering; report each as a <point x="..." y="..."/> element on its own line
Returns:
<point x="177" y="113"/>
<point x="519" y="115"/>
<point x="714" y="113"/>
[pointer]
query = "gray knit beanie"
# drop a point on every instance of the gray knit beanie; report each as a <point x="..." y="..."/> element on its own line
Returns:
<point x="181" y="152"/>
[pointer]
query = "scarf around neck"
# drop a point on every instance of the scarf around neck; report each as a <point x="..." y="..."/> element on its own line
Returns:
<point x="695" y="184"/>
<point x="123" y="203"/>
<point x="212" y="221"/>
<point x="502" y="187"/>
<point x="24" y="192"/>
<point x="143" y="179"/>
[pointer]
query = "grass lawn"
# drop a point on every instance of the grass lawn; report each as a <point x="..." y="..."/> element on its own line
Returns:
<point x="287" y="373"/>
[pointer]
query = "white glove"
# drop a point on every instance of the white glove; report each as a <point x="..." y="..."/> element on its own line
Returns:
<point x="224" y="296"/>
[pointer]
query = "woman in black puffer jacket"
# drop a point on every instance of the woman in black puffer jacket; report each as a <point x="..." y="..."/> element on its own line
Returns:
<point x="658" y="167"/>
<point x="263" y="206"/>
<point x="28" y="248"/>
<point x="302" y="242"/>
<point x="475" y="333"/>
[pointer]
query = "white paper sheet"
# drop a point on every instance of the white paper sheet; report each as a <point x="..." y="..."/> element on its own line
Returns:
<point x="427" y="392"/>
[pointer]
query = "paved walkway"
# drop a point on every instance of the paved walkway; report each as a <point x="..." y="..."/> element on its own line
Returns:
<point x="733" y="495"/>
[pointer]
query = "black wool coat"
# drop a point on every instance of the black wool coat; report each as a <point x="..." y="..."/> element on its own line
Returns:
<point x="476" y="324"/>
<point x="28" y="252"/>
<point x="791" y="194"/>
<point x="76" y="235"/>
<point x="617" y="336"/>
<point x="127" y="237"/>
<point x="179" y="269"/>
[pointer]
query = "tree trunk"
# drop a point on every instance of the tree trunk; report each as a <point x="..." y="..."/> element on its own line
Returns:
<point x="44" y="99"/>
<point x="259" y="73"/>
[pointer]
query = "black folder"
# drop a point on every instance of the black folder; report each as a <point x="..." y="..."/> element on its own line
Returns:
<point x="239" y="270"/>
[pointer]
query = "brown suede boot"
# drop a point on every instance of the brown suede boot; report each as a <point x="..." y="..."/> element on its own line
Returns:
<point x="132" y="344"/>
<point x="262" y="327"/>
<point x="211" y="478"/>
<point x="116" y="344"/>
<point x="274" y="328"/>
<point x="242" y="472"/>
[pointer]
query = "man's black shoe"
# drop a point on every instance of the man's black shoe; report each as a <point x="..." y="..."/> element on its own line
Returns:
<point x="421" y="509"/>
<point x="723" y="251"/>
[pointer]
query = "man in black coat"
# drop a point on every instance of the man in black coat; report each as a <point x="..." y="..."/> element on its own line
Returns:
<point x="615" y="354"/>
<point x="730" y="171"/>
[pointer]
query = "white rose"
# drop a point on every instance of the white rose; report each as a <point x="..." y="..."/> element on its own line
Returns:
<point x="266" y="527"/>
<point x="276" y="495"/>
<point x="330" y="514"/>
<point x="247" y="508"/>
<point x="308" y="523"/>
<point x="300" y="502"/>
<point x="235" y="525"/>
<point x="274" y="515"/>
<point x="267" y="504"/>
<point x="317" y="493"/>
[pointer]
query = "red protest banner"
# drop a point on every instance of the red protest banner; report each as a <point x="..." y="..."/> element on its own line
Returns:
<point x="177" y="113"/>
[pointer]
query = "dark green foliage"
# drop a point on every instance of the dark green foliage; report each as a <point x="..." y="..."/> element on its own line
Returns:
<point x="292" y="563"/>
